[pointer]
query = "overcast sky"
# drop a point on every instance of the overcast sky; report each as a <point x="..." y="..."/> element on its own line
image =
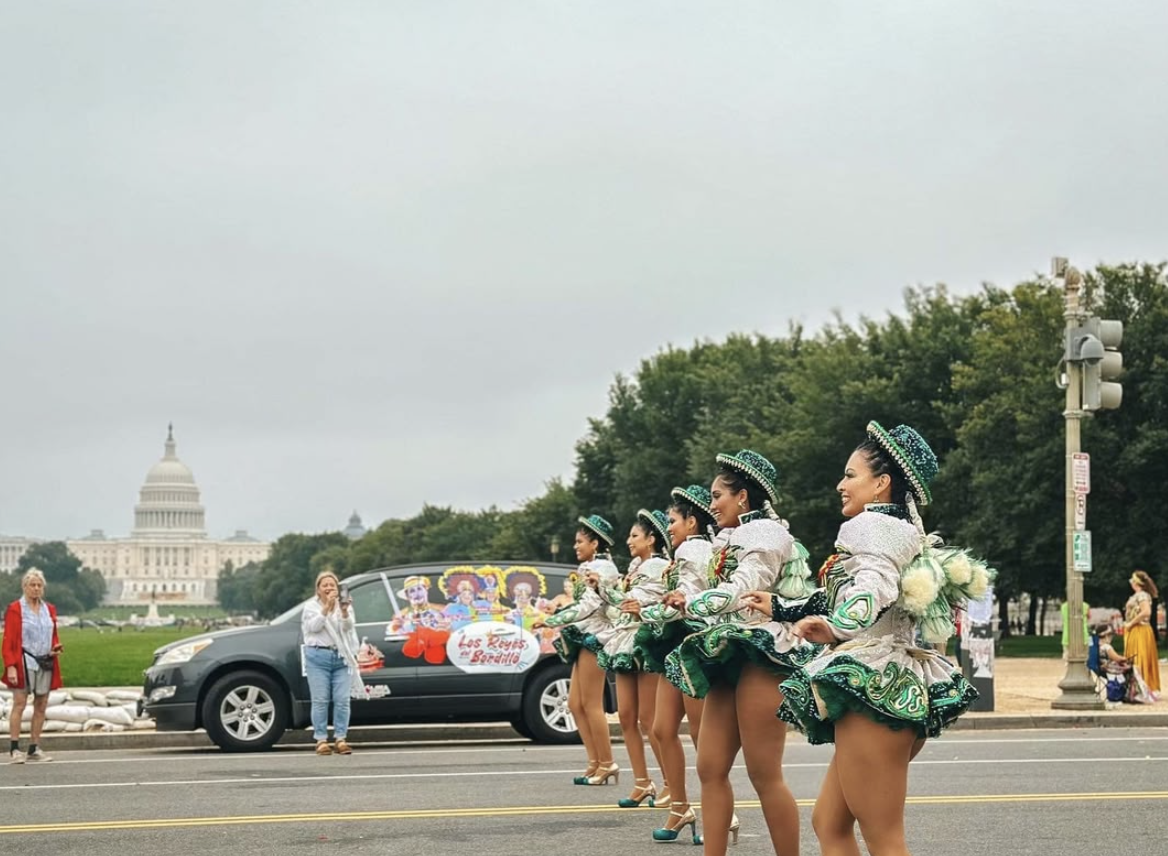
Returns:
<point x="370" y="255"/>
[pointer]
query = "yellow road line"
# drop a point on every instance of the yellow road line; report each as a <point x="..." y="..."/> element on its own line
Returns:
<point x="506" y="811"/>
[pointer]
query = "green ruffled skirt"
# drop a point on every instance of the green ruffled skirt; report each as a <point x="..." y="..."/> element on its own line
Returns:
<point x="654" y="643"/>
<point x="717" y="655"/>
<point x="919" y="690"/>
<point x="572" y="641"/>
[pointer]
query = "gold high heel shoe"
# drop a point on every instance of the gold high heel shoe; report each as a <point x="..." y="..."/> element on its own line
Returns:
<point x="589" y="772"/>
<point x="734" y="826"/>
<point x="687" y="818"/>
<point x="643" y="792"/>
<point x="664" y="799"/>
<point x="604" y="773"/>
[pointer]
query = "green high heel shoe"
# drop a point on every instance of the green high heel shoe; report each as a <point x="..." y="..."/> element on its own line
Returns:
<point x="588" y="774"/>
<point x="647" y="792"/>
<point x="604" y="774"/>
<point x="687" y="818"/>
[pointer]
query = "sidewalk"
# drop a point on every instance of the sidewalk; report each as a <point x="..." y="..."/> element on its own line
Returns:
<point x="1025" y="687"/>
<point x="1028" y="686"/>
<point x="1023" y="691"/>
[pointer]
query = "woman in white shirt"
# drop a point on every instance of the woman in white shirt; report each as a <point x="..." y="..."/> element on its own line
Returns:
<point x="330" y="627"/>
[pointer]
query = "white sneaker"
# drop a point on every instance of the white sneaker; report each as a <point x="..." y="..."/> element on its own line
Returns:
<point x="38" y="755"/>
<point x="16" y="757"/>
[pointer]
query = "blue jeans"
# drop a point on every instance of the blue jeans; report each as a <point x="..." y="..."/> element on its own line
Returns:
<point x="328" y="680"/>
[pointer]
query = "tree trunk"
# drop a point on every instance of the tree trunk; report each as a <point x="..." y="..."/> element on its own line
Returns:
<point x="1004" y="616"/>
<point x="1032" y="618"/>
<point x="1042" y="617"/>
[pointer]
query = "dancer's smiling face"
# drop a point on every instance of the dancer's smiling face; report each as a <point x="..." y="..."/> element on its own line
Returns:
<point x="860" y="485"/>
<point x="726" y="503"/>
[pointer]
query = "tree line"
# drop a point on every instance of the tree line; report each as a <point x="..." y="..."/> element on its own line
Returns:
<point x="974" y="373"/>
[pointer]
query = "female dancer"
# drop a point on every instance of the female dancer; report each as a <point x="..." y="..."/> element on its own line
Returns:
<point x="690" y="520"/>
<point x="734" y="664"/>
<point x="1139" y="642"/>
<point x="873" y="691"/>
<point x="578" y="644"/>
<point x="636" y="690"/>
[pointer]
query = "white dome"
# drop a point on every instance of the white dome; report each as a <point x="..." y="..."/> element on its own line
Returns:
<point x="168" y="503"/>
<point x="170" y="471"/>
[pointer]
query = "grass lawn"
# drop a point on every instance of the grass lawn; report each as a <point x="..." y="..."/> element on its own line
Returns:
<point x="110" y="658"/>
<point x="123" y="613"/>
<point x="1031" y="646"/>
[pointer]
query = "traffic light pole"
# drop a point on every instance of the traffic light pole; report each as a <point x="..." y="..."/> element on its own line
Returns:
<point x="1078" y="687"/>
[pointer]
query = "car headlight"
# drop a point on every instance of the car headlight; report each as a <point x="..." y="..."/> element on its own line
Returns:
<point x="183" y="653"/>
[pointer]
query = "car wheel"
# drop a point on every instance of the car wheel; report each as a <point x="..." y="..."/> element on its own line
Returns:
<point x="545" y="707"/>
<point x="245" y="712"/>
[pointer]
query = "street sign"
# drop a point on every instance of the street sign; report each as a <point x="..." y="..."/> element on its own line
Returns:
<point x="1081" y="552"/>
<point x="1081" y="472"/>
<point x="1080" y="511"/>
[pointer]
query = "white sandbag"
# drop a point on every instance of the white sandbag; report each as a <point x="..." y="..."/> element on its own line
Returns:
<point x="130" y="707"/>
<point x="90" y="697"/>
<point x="73" y="727"/>
<point x="58" y="697"/>
<point x="53" y="725"/>
<point x="113" y="715"/>
<point x="124" y="695"/>
<point x="68" y="712"/>
<point x="101" y="725"/>
<point x="144" y="724"/>
<point x="4" y="726"/>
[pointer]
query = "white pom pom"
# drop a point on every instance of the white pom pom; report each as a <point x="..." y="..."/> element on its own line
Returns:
<point x="919" y="586"/>
<point x="958" y="568"/>
<point x="980" y="582"/>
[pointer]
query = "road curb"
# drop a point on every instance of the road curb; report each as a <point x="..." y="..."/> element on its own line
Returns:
<point x="496" y="731"/>
<point x="1093" y="719"/>
<point x="412" y="734"/>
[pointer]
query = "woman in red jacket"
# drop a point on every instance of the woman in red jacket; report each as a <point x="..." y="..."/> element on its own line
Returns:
<point x="30" y="649"/>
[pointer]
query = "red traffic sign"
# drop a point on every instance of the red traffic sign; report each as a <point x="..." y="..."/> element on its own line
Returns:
<point x="1081" y="472"/>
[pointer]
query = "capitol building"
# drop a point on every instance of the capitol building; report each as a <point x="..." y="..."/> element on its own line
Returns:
<point x="168" y="556"/>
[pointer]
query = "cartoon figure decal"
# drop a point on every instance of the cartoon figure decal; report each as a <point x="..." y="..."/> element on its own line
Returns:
<point x="369" y="658"/>
<point x="514" y="596"/>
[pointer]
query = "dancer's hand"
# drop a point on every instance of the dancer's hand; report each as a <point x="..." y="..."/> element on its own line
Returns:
<point x="759" y="601"/>
<point x="592" y="579"/>
<point x="631" y="607"/>
<point x="814" y="628"/>
<point x="675" y="599"/>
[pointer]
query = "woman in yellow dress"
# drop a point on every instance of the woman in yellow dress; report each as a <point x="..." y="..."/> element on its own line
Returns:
<point x="1139" y="642"/>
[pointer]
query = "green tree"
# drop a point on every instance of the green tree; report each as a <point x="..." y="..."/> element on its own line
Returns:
<point x="285" y="578"/>
<point x="68" y="587"/>
<point x="9" y="589"/>
<point x="236" y="590"/>
<point x="1003" y="485"/>
<point x="1129" y="446"/>
<point x="526" y="535"/>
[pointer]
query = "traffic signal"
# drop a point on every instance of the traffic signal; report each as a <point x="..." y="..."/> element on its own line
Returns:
<point x="1095" y="347"/>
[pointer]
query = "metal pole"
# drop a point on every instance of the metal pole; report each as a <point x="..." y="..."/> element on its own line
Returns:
<point x="1078" y="687"/>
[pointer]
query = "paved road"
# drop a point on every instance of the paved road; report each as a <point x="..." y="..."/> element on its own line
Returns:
<point x="1038" y="793"/>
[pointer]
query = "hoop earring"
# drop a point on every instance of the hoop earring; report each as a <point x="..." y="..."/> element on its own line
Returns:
<point x="741" y="504"/>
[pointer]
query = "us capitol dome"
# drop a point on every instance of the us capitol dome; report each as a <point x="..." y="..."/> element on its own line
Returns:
<point x="168" y="556"/>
